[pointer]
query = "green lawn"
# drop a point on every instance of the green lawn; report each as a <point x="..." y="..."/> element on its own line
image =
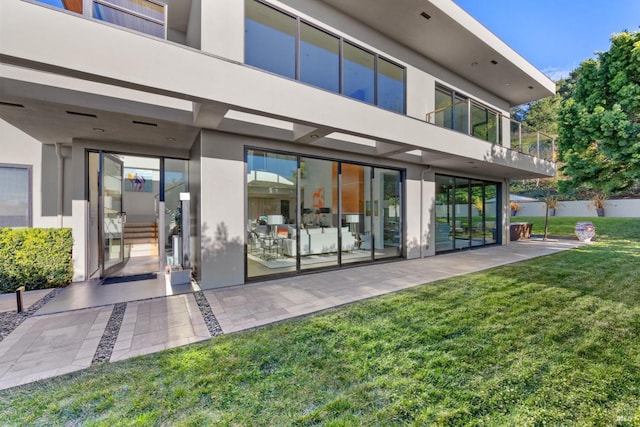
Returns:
<point x="550" y="341"/>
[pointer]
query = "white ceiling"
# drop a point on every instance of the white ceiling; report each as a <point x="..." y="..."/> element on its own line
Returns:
<point x="456" y="41"/>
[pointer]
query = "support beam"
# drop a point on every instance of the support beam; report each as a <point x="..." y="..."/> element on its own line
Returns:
<point x="385" y="149"/>
<point x="307" y="134"/>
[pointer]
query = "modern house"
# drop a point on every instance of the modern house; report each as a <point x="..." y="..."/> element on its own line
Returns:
<point x="304" y="134"/>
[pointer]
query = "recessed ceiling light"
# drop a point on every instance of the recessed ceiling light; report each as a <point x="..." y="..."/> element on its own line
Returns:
<point x="425" y="15"/>
<point x="11" y="104"/>
<point x="530" y="87"/>
<point x="474" y="63"/>
<point x="494" y="62"/>
<point x="98" y="130"/>
<point x="313" y="136"/>
<point x="137" y="122"/>
<point x="76" y="113"/>
<point x="171" y="139"/>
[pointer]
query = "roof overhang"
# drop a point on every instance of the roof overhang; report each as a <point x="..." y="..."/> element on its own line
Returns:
<point x="455" y="40"/>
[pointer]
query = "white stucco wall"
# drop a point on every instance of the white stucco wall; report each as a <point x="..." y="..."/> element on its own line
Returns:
<point x="222" y="207"/>
<point x="16" y="147"/>
<point x="624" y="208"/>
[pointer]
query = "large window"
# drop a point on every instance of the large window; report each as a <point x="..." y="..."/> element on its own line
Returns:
<point x="145" y="16"/>
<point x="466" y="213"/>
<point x="15" y="196"/>
<point x="286" y="45"/>
<point x="309" y="213"/>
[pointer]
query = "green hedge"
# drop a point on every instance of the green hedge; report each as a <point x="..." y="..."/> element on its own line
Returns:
<point x="37" y="258"/>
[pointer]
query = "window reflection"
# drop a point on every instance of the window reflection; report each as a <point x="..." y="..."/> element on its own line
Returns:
<point x="359" y="73"/>
<point x="390" y="86"/>
<point x="270" y="39"/>
<point x="319" y="58"/>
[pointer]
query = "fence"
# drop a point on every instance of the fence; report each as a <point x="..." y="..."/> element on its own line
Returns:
<point x="612" y="208"/>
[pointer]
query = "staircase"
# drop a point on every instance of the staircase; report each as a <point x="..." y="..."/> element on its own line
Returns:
<point x="141" y="239"/>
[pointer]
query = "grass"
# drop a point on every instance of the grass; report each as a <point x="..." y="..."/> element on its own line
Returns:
<point x="550" y="341"/>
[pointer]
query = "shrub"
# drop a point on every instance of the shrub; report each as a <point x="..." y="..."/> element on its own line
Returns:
<point x="36" y="258"/>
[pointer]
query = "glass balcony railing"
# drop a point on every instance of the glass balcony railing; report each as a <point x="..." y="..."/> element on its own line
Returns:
<point x="473" y="119"/>
<point x="145" y="16"/>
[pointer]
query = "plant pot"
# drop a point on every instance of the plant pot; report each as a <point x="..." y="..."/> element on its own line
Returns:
<point x="585" y="231"/>
<point x="600" y="211"/>
<point x="552" y="211"/>
<point x="513" y="212"/>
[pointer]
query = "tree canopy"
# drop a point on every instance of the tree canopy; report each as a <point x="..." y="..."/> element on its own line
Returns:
<point x="599" y="119"/>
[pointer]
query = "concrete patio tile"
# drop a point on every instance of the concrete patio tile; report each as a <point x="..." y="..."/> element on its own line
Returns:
<point x="4" y="367"/>
<point x="83" y="362"/>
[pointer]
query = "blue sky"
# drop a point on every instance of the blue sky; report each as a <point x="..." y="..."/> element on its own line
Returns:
<point x="556" y="35"/>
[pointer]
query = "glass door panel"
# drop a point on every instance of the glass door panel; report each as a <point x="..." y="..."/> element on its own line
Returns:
<point x="319" y="201"/>
<point x="387" y="213"/>
<point x="491" y="213"/>
<point x="271" y="233"/>
<point x="356" y="213"/>
<point x="478" y="229"/>
<point x="444" y="213"/>
<point x="112" y="214"/>
<point x="461" y="225"/>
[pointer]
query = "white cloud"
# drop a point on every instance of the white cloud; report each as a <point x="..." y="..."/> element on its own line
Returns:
<point x="557" y="73"/>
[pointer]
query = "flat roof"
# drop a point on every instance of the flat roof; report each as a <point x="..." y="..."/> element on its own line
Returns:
<point x="443" y="32"/>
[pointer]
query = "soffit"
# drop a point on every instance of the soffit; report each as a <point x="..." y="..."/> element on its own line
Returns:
<point x="456" y="41"/>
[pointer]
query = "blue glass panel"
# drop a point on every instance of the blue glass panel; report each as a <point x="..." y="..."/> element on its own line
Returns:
<point x="56" y="3"/>
<point x="270" y="41"/>
<point x="391" y="86"/>
<point x="319" y="58"/>
<point x="358" y="73"/>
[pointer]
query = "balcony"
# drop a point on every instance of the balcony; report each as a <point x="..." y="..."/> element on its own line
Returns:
<point x="145" y="16"/>
<point x="473" y="119"/>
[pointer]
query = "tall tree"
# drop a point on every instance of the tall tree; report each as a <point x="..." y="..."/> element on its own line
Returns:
<point x="599" y="123"/>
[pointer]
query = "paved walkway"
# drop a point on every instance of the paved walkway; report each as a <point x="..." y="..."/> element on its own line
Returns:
<point x="46" y="345"/>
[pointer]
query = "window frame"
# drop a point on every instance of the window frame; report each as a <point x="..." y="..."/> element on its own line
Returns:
<point x="29" y="169"/>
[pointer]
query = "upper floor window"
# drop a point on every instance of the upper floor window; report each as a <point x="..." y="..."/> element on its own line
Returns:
<point x="270" y="39"/>
<point x="15" y="196"/>
<point x="286" y="45"/>
<point x="145" y="16"/>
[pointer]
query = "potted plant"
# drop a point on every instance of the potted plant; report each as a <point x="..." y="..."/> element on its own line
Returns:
<point x="598" y="201"/>
<point x="515" y="207"/>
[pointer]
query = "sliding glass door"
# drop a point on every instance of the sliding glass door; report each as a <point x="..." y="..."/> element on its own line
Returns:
<point x="307" y="213"/>
<point x="466" y="213"/>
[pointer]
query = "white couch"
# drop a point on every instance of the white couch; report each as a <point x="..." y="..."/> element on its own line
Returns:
<point x="319" y="241"/>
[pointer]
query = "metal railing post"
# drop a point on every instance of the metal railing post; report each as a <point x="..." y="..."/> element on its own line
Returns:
<point x="520" y="137"/>
<point x="468" y="116"/>
<point x="538" y="144"/>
